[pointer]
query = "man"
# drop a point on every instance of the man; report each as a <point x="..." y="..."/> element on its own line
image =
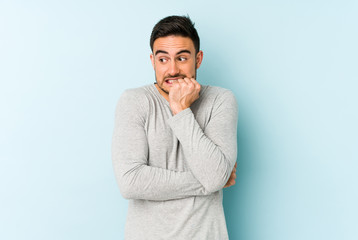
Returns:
<point x="174" y="143"/>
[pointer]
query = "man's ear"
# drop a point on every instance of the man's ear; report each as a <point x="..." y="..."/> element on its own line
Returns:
<point x="152" y="59"/>
<point x="199" y="58"/>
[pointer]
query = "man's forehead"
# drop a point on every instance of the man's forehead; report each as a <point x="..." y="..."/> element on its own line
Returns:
<point x="173" y="44"/>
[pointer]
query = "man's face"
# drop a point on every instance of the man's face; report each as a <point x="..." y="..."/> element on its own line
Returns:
<point x="174" y="57"/>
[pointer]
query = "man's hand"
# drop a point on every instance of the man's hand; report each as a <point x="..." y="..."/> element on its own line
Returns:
<point x="183" y="93"/>
<point x="232" y="178"/>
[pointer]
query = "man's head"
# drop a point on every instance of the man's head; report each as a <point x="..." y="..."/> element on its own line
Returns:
<point x="176" y="51"/>
<point x="175" y="26"/>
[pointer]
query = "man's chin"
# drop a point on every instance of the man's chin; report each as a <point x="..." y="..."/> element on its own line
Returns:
<point x="164" y="89"/>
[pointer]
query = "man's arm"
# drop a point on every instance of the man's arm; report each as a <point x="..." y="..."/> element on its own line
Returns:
<point x="210" y="154"/>
<point x="135" y="178"/>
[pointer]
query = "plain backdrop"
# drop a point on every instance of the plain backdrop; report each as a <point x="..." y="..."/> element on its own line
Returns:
<point x="291" y="64"/>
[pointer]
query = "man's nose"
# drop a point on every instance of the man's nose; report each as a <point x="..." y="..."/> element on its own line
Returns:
<point x="173" y="68"/>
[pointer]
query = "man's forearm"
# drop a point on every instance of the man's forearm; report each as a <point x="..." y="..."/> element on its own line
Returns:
<point x="135" y="178"/>
<point x="141" y="181"/>
<point x="210" y="155"/>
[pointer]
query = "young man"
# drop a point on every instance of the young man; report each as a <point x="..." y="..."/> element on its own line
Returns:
<point x="174" y="144"/>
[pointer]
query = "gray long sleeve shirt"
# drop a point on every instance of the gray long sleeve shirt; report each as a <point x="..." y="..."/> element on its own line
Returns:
<point x="173" y="168"/>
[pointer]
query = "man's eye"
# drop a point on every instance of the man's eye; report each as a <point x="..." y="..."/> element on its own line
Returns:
<point x="182" y="59"/>
<point x="163" y="60"/>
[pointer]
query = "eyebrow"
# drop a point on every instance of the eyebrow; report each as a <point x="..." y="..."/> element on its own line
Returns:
<point x="165" y="52"/>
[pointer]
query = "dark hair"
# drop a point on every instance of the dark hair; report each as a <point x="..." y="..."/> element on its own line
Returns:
<point x="177" y="26"/>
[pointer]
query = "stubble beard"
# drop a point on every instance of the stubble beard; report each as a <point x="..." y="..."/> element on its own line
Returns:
<point x="161" y="87"/>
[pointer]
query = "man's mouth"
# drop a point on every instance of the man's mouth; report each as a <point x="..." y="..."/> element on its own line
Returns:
<point x="171" y="80"/>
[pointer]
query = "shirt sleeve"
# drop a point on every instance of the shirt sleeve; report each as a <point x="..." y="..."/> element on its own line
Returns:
<point x="136" y="179"/>
<point x="211" y="154"/>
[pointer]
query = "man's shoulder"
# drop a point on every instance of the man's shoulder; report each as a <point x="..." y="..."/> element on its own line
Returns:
<point x="137" y="93"/>
<point x="216" y="93"/>
<point x="217" y="97"/>
<point x="133" y="100"/>
<point x="216" y="90"/>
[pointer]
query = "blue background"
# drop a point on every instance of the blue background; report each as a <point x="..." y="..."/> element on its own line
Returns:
<point x="291" y="64"/>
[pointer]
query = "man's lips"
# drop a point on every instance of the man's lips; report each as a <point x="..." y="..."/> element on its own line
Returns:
<point x="171" y="80"/>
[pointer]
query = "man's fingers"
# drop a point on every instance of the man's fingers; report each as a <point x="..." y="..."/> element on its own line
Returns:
<point x="189" y="83"/>
<point x="231" y="181"/>
<point x="175" y="85"/>
<point x="232" y="178"/>
<point x="196" y="84"/>
<point x="181" y="81"/>
<point x="234" y="169"/>
<point x="187" y="80"/>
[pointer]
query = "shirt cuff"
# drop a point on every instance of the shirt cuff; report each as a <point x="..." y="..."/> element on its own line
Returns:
<point x="176" y="118"/>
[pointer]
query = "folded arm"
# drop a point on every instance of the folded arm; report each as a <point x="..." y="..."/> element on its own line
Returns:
<point x="211" y="154"/>
<point x="135" y="178"/>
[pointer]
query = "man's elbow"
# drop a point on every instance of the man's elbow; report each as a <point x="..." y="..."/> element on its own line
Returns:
<point x="214" y="186"/>
<point x="128" y="186"/>
<point x="217" y="181"/>
<point x="127" y="192"/>
<point x="127" y="195"/>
